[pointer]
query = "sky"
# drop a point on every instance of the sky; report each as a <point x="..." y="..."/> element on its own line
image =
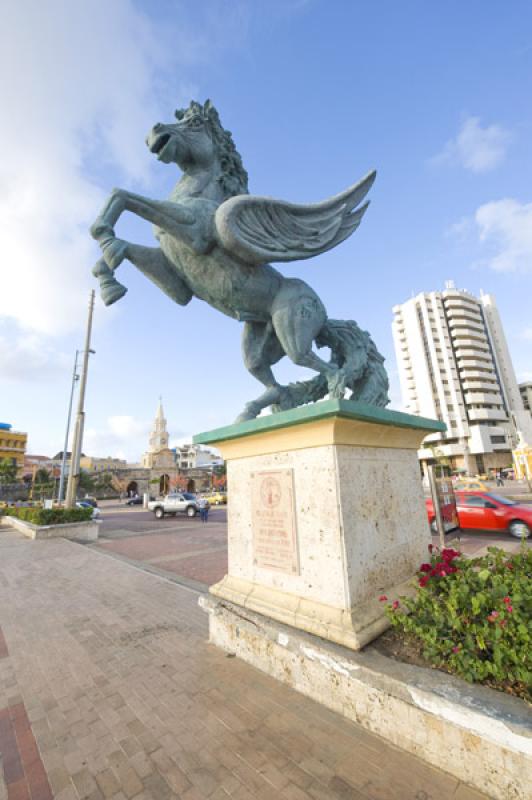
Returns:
<point x="435" y="96"/>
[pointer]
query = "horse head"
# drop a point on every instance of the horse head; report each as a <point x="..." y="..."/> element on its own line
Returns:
<point x="197" y="141"/>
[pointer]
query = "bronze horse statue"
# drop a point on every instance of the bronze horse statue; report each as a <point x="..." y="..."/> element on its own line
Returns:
<point x="216" y="242"/>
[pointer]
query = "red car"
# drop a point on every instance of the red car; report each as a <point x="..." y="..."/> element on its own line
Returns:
<point x="486" y="511"/>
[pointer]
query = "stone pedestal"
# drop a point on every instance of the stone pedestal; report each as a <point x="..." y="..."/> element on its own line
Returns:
<point x="325" y="514"/>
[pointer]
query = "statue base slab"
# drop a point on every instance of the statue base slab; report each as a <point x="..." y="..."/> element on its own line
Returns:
<point x="326" y="513"/>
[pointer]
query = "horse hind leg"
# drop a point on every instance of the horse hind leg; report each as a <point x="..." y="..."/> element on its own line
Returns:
<point x="297" y="325"/>
<point x="261" y="349"/>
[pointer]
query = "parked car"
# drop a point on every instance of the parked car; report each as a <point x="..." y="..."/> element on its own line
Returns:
<point x="177" y="503"/>
<point x="134" y="501"/>
<point x="487" y="511"/>
<point x="86" y="504"/>
<point x="216" y="498"/>
<point x="470" y="485"/>
<point x="91" y="501"/>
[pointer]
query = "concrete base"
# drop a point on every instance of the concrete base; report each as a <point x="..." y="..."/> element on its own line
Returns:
<point x="326" y="514"/>
<point x="78" y="531"/>
<point x="480" y="736"/>
<point x="353" y="628"/>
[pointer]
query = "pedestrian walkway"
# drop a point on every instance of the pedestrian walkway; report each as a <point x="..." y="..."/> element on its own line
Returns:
<point x="109" y="689"/>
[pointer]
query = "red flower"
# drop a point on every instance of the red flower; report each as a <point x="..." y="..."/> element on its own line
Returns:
<point x="456" y="649"/>
<point x="382" y="598"/>
<point x="509" y="609"/>
<point x="395" y="604"/>
<point x="503" y="622"/>
<point x="509" y="565"/>
<point x="448" y="553"/>
<point x="493" y="616"/>
<point x="425" y="568"/>
<point x="431" y="548"/>
<point x="506" y="600"/>
<point x="424" y="580"/>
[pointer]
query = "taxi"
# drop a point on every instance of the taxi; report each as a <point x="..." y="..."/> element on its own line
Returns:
<point x="216" y="498"/>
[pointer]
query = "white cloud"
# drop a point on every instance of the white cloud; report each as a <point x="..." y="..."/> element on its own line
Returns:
<point x="505" y="226"/>
<point x="476" y="148"/>
<point x="460" y="230"/>
<point x="78" y="84"/>
<point x="122" y="437"/>
<point x="24" y="356"/>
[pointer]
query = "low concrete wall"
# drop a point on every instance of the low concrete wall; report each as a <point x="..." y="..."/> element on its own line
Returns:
<point x="80" y="531"/>
<point x="480" y="736"/>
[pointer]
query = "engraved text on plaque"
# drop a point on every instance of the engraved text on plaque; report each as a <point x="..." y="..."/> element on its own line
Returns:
<point x="273" y="521"/>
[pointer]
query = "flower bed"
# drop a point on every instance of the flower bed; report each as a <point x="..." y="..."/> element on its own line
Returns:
<point x="48" y="516"/>
<point x="472" y="617"/>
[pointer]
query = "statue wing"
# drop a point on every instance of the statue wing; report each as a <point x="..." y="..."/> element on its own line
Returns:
<point x="261" y="229"/>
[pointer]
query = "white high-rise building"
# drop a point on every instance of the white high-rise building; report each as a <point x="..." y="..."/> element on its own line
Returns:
<point x="454" y="365"/>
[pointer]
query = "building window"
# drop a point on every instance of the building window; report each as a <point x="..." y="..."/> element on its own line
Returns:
<point x="498" y="439"/>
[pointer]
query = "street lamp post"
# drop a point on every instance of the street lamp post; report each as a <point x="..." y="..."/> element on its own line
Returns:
<point x="75" y="377"/>
<point x="73" y="475"/>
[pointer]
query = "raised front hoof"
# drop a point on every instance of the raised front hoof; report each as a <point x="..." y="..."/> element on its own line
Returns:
<point x="111" y="291"/>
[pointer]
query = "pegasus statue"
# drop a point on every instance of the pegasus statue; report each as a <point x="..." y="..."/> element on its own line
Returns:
<point x="216" y="242"/>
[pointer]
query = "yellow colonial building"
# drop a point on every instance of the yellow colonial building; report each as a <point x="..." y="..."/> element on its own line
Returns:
<point x="523" y="462"/>
<point x="108" y="464"/>
<point x="13" y="446"/>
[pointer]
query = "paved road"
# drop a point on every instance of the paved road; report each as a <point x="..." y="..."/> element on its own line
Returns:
<point x="109" y="689"/>
<point x="195" y="555"/>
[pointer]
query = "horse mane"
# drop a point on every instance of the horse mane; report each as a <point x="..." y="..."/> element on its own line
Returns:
<point x="234" y="178"/>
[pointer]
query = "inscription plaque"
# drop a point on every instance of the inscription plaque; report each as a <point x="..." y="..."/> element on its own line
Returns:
<point x="273" y="521"/>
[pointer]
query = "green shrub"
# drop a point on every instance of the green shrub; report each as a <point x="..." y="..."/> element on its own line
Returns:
<point x="49" y="516"/>
<point x="472" y="616"/>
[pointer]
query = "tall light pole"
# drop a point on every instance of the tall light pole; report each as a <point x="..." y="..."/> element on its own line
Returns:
<point x="73" y="475"/>
<point x="75" y="377"/>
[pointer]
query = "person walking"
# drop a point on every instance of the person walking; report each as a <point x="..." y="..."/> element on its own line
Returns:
<point x="203" y="509"/>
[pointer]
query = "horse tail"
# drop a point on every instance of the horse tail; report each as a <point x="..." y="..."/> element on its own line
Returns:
<point x="354" y="352"/>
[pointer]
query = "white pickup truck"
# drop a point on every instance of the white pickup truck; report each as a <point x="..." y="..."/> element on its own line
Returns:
<point x="178" y="503"/>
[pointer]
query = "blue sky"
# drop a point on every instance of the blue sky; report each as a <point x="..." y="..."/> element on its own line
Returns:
<point x="435" y="96"/>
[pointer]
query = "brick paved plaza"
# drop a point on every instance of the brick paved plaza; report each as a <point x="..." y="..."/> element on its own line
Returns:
<point x="109" y="689"/>
<point x="178" y="548"/>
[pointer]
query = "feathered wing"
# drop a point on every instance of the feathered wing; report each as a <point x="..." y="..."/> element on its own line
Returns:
<point x="261" y="229"/>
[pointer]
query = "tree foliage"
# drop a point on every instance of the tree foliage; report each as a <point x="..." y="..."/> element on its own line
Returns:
<point x="8" y="471"/>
